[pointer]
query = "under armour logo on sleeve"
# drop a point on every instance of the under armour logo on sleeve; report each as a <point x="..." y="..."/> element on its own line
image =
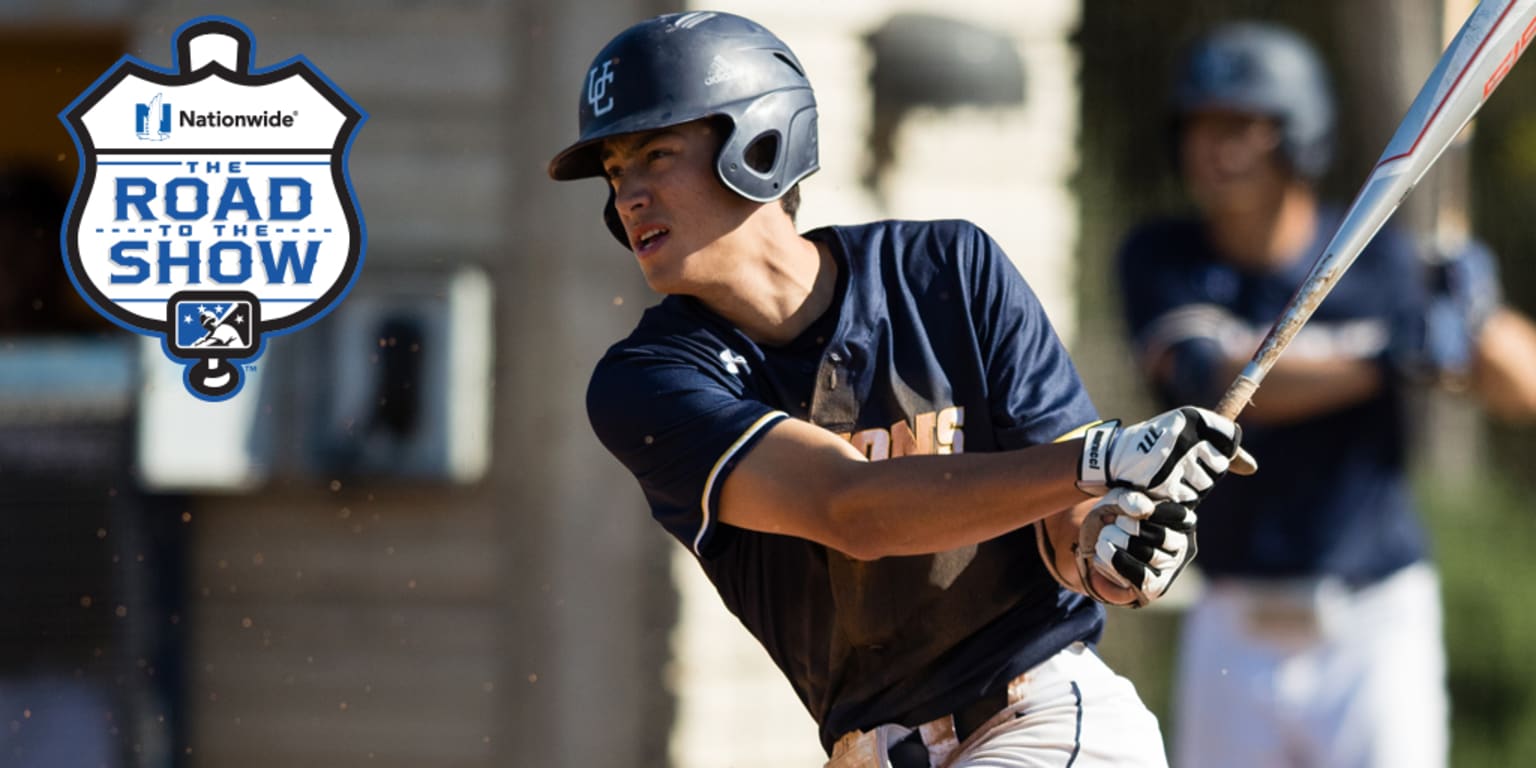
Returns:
<point x="734" y="364"/>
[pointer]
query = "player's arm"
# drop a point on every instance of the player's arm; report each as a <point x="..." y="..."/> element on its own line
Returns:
<point x="1057" y="537"/>
<point x="1141" y="547"/>
<point x="1487" y="344"/>
<point x="1504" y="366"/>
<point x="804" y="481"/>
<point x="801" y="480"/>
<point x="1295" y="389"/>
<point x="1191" y="349"/>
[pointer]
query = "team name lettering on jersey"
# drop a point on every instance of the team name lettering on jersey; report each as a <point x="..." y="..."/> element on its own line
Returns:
<point x="934" y="432"/>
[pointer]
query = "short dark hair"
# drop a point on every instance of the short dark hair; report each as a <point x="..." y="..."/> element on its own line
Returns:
<point x="790" y="202"/>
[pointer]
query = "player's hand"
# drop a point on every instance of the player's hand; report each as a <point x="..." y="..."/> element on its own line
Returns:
<point x="1438" y="347"/>
<point x="1139" y="545"/>
<point x="1469" y="280"/>
<point x="1176" y="455"/>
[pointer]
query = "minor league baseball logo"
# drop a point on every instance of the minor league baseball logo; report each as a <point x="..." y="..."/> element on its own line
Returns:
<point x="213" y="206"/>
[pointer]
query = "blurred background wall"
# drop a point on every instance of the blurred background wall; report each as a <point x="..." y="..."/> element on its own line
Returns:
<point x="402" y="546"/>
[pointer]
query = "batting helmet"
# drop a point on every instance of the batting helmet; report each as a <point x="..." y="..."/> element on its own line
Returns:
<point x="681" y="67"/>
<point x="1263" y="69"/>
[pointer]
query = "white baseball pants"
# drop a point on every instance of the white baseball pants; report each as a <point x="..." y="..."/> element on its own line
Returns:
<point x="1072" y="710"/>
<point x="1314" y="675"/>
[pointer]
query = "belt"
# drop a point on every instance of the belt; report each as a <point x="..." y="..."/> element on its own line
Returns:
<point x="969" y="718"/>
<point x="911" y="752"/>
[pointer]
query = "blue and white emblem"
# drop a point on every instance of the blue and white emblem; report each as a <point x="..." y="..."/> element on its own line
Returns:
<point x="213" y="206"/>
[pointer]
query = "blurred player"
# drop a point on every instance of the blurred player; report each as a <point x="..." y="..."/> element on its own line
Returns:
<point x="1318" y="641"/>
<point x="916" y="604"/>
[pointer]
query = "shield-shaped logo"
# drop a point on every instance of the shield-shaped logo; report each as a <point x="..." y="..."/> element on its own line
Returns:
<point x="213" y="207"/>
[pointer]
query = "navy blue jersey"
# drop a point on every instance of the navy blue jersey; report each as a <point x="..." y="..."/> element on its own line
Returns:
<point x="934" y="345"/>
<point x="1331" y="497"/>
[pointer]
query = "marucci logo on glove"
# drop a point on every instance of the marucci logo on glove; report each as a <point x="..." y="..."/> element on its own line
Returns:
<point x="213" y="206"/>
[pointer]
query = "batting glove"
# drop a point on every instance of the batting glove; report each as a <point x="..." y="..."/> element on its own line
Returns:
<point x="1137" y="543"/>
<point x="1437" y="347"/>
<point x="1469" y="280"/>
<point x="1176" y="456"/>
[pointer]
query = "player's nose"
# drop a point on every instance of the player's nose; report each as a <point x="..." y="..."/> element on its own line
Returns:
<point x="632" y="193"/>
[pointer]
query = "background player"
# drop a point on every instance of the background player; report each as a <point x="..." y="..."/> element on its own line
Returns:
<point x="903" y="599"/>
<point x="1318" y="640"/>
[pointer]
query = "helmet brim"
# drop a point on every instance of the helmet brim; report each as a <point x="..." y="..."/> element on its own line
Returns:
<point x="578" y="161"/>
<point x="584" y="158"/>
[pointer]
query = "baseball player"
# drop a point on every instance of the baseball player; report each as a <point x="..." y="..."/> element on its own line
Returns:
<point x="869" y="436"/>
<point x="1318" y="641"/>
<point x="218" y="334"/>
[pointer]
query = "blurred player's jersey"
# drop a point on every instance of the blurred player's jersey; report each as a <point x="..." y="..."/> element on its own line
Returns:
<point x="934" y="344"/>
<point x="1332" y="498"/>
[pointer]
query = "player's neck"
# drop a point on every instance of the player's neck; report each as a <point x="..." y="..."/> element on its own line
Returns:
<point x="776" y="286"/>
<point x="1269" y="237"/>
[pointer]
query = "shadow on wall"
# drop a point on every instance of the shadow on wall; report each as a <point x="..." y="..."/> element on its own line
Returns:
<point x="922" y="60"/>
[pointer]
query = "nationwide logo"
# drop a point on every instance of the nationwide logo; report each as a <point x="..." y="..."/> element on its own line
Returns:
<point x="216" y="119"/>
<point x="213" y="240"/>
<point x="152" y="120"/>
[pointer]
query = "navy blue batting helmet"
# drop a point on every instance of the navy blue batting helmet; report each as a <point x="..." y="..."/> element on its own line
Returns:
<point x="681" y="67"/>
<point x="1265" y="69"/>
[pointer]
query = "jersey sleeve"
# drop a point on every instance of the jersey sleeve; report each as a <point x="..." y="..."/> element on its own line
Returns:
<point x="1167" y="317"/>
<point x="1404" y="285"/>
<point x="679" y="432"/>
<point x="1033" y="388"/>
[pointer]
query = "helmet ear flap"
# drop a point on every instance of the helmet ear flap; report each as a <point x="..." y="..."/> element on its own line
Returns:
<point x="611" y="218"/>
<point x="771" y="146"/>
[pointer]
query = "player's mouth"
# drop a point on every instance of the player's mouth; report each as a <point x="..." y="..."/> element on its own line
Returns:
<point x="650" y="238"/>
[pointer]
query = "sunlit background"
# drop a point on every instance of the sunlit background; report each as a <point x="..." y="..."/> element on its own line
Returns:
<point x="401" y="546"/>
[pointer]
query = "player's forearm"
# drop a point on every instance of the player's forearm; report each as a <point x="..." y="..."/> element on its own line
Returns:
<point x="921" y="504"/>
<point x="1297" y="389"/>
<point x="1505" y="366"/>
<point x="801" y="480"/>
<point x="1058" y="538"/>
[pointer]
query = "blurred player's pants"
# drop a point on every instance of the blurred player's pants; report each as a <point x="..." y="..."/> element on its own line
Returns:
<point x="1314" y="675"/>
<point x="1070" y="710"/>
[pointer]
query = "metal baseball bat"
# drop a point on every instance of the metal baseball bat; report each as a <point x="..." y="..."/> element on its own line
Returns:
<point x="1478" y="58"/>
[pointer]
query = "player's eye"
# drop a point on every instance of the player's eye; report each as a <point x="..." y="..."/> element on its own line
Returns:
<point x="613" y="172"/>
<point x="657" y="154"/>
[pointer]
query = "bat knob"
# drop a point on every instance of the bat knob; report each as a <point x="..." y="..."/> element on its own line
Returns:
<point x="1243" y="464"/>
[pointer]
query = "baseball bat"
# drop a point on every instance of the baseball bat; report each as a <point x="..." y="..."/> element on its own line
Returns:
<point x="1478" y="58"/>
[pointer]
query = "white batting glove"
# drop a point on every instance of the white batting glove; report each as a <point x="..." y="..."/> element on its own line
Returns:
<point x="1176" y="455"/>
<point x="1137" y="543"/>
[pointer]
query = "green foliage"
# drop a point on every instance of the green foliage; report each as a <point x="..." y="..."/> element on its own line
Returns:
<point x="1483" y="538"/>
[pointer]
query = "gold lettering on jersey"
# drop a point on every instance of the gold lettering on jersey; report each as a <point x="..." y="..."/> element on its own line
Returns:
<point x="934" y="432"/>
<point x="874" y="443"/>
<point x="950" y="431"/>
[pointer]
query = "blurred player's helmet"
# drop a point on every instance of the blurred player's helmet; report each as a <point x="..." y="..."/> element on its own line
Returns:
<point x="208" y="319"/>
<point x="681" y="67"/>
<point x="1263" y="69"/>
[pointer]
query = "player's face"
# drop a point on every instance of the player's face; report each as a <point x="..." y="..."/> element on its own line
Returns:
<point x="1231" y="162"/>
<point x="674" y="209"/>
